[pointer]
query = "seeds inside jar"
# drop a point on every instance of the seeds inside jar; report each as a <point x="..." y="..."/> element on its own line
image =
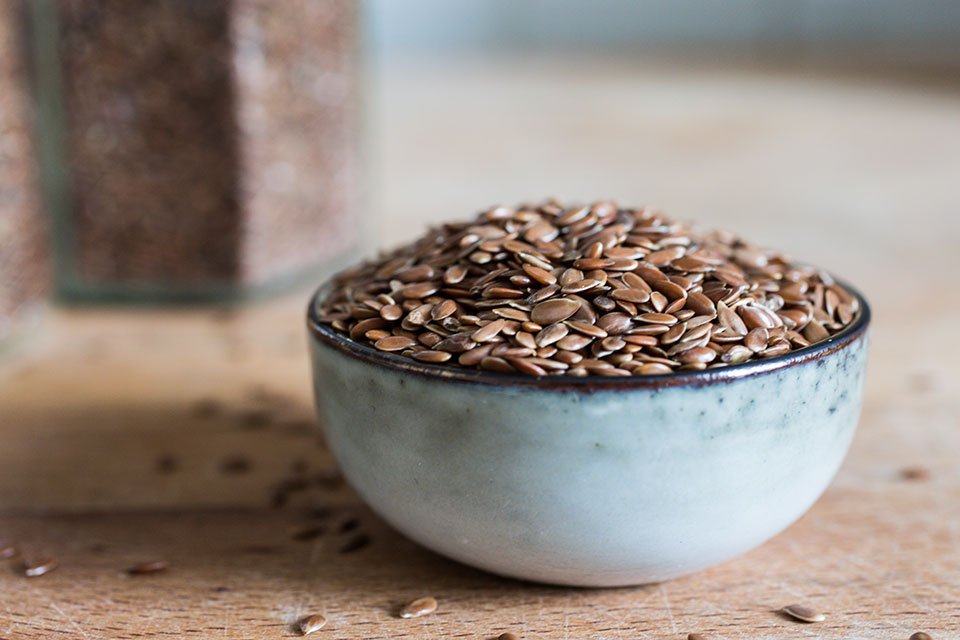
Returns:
<point x="617" y="291"/>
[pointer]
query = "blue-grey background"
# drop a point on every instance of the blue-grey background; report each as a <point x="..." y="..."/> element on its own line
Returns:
<point x="912" y="33"/>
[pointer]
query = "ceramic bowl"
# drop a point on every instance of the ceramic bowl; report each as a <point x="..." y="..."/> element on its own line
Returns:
<point x="589" y="481"/>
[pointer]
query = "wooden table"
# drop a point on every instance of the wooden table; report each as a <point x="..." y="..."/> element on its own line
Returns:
<point x="187" y="435"/>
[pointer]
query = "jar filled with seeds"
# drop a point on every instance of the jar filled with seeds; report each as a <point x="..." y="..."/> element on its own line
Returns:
<point x="23" y="254"/>
<point x="201" y="150"/>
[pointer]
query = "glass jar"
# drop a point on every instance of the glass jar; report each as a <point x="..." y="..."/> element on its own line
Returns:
<point x="200" y="150"/>
<point x="23" y="248"/>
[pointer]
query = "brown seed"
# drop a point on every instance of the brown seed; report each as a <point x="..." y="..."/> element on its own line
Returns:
<point x="696" y="636"/>
<point x="664" y="257"/>
<point x="419" y="607"/>
<point x="657" y="318"/>
<point x="502" y="292"/>
<point x="455" y="274"/>
<point x="630" y="295"/>
<point x="614" y="323"/>
<point x="593" y="263"/>
<point x="355" y="543"/>
<point x="419" y="290"/>
<point x="587" y="329"/>
<point x="496" y="364"/>
<point x="802" y="613"/>
<point x="581" y="285"/>
<point x="39" y="568"/>
<point x="573" y="342"/>
<point x="312" y="623"/>
<point x="359" y="329"/>
<point x="814" y="332"/>
<point x="700" y="304"/>
<point x="144" y="568"/>
<point x="756" y="339"/>
<point x="472" y="357"/>
<point x="551" y="334"/>
<point x="645" y="341"/>
<point x="524" y="365"/>
<point x="633" y="281"/>
<point x="420" y="315"/>
<point x="915" y="473"/>
<point x="418" y="273"/>
<point x="442" y="310"/>
<point x="488" y="331"/>
<point x="736" y="354"/>
<point x="754" y="317"/>
<point x="456" y="344"/>
<point x="542" y="294"/>
<point x="672" y="290"/>
<point x="920" y="635"/>
<point x="730" y="320"/>
<point x="540" y="275"/>
<point x="674" y="334"/>
<point x="554" y="311"/>
<point x="697" y="354"/>
<point x="508" y="636"/>
<point x="394" y="343"/>
<point x="432" y="356"/>
<point x="652" y="368"/>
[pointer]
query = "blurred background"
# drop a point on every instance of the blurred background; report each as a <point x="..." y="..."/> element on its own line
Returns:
<point x="237" y="151"/>
<point x="210" y="151"/>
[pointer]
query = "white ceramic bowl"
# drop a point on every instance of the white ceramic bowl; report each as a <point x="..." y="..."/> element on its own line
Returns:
<point x="590" y="481"/>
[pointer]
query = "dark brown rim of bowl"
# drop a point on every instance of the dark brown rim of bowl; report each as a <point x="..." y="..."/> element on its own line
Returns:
<point x="731" y="373"/>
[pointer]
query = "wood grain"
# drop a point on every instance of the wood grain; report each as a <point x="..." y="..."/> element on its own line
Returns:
<point x="132" y="436"/>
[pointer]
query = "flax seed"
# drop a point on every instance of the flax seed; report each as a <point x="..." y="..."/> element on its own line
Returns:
<point x="144" y="568"/>
<point x="802" y="613"/>
<point x="312" y="623"/>
<point x="419" y="607"/>
<point x="38" y="568"/>
<point x="595" y="290"/>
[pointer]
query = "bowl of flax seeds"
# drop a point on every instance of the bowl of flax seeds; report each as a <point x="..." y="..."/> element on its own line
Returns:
<point x="587" y="394"/>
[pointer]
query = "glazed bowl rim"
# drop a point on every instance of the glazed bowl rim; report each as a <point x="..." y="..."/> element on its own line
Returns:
<point x="345" y="345"/>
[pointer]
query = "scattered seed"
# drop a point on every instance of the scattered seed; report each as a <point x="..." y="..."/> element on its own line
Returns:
<point x="355" y="543"/>
<point x="39" y="568"/>
<point x="915" y="473"/>
<point x="256" y="418"/>
<point x="419" y="607"/>
<point x="508" y="636"/>
<point x="802" y="613"/>
<point x="309" y="533"/>
<point x="143" y="568"/>
<point x="167" y="463"/>
<point x="206" y="408"/>
<point x="921" y="635"/>
<point x="235" y="465"/>
<point x="696" y="636"/>
<point x="312" y="623"/>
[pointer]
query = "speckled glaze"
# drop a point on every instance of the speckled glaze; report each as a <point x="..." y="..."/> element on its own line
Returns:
<point x="590" y="481"/>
